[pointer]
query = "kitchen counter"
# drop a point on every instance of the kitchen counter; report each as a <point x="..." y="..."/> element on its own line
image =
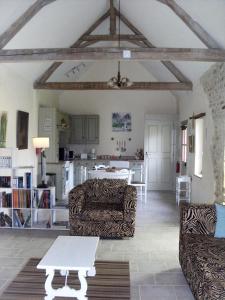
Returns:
<point x="108" y="159"/>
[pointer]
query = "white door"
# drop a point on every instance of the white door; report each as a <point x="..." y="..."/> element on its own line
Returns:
<point x="159" y="148"/>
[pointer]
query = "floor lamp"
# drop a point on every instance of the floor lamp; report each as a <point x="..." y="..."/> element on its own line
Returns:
<point x="40" y="144"/>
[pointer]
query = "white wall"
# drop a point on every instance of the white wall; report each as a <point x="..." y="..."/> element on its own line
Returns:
<point x="103" y="103"/>
<point x="197" y="102"/>
<point x="17" y="94"/>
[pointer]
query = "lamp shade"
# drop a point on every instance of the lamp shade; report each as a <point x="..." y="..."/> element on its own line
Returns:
<point x="41" y="142"/>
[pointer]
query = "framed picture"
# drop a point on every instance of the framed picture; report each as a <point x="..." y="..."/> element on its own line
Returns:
<point x="121" y="121"/>
<point x="22" y="130"/>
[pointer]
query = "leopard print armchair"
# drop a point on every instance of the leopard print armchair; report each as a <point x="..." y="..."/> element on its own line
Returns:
<point x="103" y="207"/>
<point x="201" y="255"/>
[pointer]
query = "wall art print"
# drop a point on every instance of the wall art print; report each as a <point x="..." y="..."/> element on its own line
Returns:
<point x="3" y="128"/>
<point x="22" y="130"/>
<point x="121" y="121"/>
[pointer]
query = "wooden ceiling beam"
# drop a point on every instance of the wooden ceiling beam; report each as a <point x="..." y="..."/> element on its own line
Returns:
<point x="112" y="19"/>
<point x="108" y="53"/>
<point x="6" y="36"/>
<point x="168" y="64"/>
<point x="115" y="37"/>
<point x="159" y="86"/>
<point x="195" y="27"/>
<point x="45" y="76"/>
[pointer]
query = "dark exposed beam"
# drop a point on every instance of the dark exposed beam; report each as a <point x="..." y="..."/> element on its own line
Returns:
<point x="44" y="77"/>
<point x="112" y="19"/>
<point x="115" y="37"/>
<point x="195" y="27"/>
<point x="6" y="36"/>
<point x="168" y="64"/>
<point x="107" y="53"/>
<point x="162" y="86"/>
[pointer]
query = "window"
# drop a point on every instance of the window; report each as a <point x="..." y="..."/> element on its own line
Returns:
<point x="184" y="144"/>
<point x="199" y="130"/>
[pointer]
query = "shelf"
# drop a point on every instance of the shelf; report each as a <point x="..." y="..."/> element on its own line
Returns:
<point x="22" y="189"/>
<point x="4" y="207"/>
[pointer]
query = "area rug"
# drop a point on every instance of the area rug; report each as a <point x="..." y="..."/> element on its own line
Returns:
<point x="112" y="281"/>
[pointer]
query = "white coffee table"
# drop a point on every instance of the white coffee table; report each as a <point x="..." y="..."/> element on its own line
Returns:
<point x="69" y="253"/>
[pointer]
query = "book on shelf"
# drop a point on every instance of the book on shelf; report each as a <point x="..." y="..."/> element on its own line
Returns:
<point x="17" y="182"/>
<point x="5" y="220"/>
<point x="21" y="198"/>
<point x="5" y="181"/>
<point x="20" y="220"/>
<point x="5" y="199"/>
<point x="28" y="180"/>
<point x="43" y="200"/>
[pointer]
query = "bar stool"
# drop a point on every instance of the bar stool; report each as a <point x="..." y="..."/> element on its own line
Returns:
<point x="183" y="189"/>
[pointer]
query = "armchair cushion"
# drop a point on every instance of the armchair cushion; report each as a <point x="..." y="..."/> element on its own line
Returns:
<point x="102" y="212"/>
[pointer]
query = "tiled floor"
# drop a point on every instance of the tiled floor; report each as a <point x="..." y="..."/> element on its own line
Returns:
<point x="153" y="252"/>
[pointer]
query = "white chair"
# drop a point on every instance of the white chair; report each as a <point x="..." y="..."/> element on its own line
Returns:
<point x="142" y="183"/>
<point x="83" y="174"/>
<point x="123" y="164"/>
<point x="99" y="167"/>
<point x="183" y="189"/>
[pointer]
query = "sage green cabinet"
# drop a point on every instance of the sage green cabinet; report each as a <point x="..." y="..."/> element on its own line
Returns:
<point x="84" y="129"/>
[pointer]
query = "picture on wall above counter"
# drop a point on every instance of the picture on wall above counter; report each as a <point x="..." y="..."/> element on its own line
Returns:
<point x="121" y="121"/>
<point x="22" y="130"/>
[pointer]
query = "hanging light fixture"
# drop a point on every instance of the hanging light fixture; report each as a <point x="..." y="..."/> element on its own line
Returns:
<point x="119" y="81"/>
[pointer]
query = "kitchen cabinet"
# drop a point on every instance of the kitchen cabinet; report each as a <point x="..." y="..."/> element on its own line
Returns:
<point x="84" y="129"/>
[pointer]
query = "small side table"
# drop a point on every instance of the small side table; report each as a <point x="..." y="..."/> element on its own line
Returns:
<point x="183" y="189"/>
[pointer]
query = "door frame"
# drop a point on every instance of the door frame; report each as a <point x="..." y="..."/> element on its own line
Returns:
<point x="173" y="120"/>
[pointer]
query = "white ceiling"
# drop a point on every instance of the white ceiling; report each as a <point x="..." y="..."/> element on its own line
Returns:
<point x="60" y="24"/>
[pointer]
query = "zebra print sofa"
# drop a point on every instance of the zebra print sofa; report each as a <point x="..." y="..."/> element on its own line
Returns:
<point x="201" y="255"/>
<point x="103" y="207"/>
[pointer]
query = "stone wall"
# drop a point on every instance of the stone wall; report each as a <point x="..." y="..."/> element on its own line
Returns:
<point x="213" y="82"/>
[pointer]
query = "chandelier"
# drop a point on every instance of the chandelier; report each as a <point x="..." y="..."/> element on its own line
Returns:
<point x="119" y="81"/>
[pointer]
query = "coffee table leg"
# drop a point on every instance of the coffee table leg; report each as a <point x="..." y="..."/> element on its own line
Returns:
<point x="66" y="291"/>
<point x="83" y="284"/>
<point x="48" y="285"/>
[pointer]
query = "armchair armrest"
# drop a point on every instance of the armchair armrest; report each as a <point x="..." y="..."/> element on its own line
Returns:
<point x="197" y="219"/>
<point x="130" y="203"/>
<point x="76" y="200"/>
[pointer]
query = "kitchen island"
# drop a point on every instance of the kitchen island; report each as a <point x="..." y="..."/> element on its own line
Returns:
<point x="83" y="166"/>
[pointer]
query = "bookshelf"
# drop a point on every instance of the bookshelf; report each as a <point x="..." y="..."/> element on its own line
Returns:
<point x="22" y="191"/>
<point x="23" y="206"/>
<point x="45" y="212"/>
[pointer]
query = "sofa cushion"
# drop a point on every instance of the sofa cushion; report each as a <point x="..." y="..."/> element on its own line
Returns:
<point x="198" y="219"/>
<point x="220" y="221"/>
<point x="102" y="212"/>
<point x="203" y="263"/>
